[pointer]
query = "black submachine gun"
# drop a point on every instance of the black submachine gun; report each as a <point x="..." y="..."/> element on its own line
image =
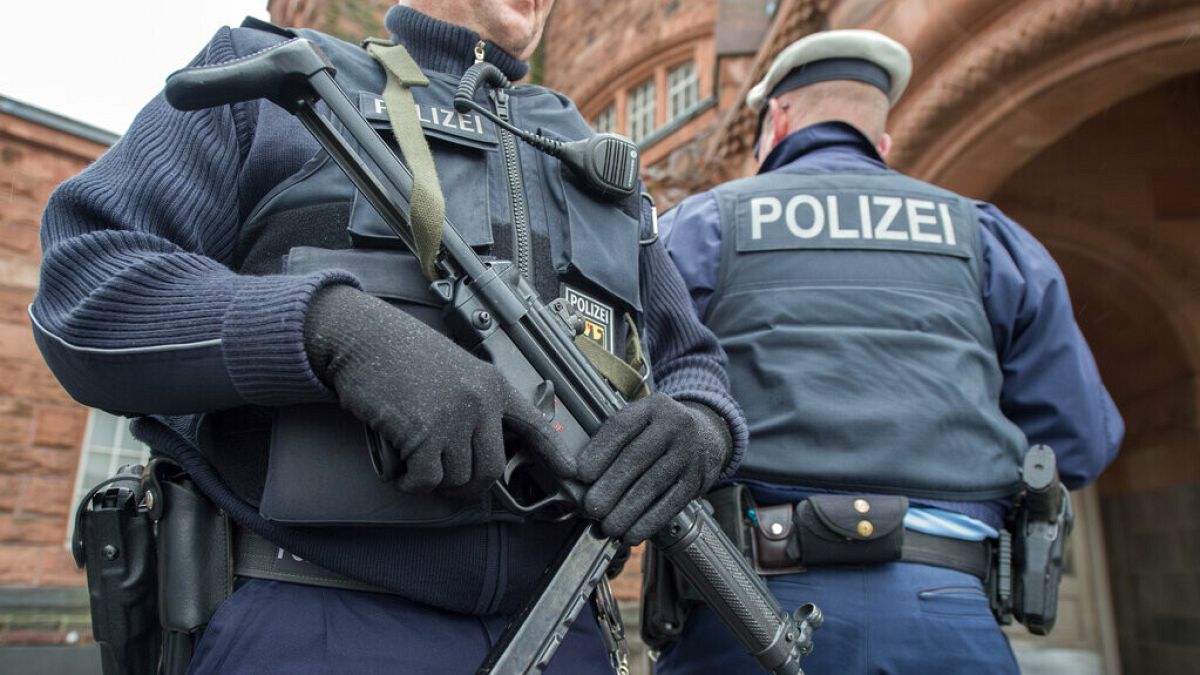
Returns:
<point x="497" y="314"/>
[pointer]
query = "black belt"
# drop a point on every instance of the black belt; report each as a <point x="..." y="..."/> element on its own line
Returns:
<point x="838" y="529"/>
<point x="972" y="557"/>
<point x="257" y="558"/>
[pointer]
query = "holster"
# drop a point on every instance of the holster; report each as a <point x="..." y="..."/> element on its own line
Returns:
<point x="195" y="560"/>
<point x="114" y="540"/>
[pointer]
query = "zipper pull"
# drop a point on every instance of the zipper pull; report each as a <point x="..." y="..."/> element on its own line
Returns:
<point x="479" y="52"/>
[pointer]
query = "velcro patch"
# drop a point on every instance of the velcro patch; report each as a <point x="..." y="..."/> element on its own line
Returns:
<point x="435" y="119"/>
<point x="597" y="316"/>
<point x="845" y="219"/>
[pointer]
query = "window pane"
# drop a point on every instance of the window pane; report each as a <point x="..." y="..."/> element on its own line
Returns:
<point x="641" y="111"/>
<point x="128" y="442"/>
<point x="683" y="90"/>
<point x="95" y="470"/>
<point x="104" y="428"/>
<point x="606" y="121"/>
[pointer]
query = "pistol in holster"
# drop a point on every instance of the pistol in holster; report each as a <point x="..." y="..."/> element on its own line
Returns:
<point x="114" y="540"/>
<point x="159" y="563"/>
<point x="1031" y="554"/>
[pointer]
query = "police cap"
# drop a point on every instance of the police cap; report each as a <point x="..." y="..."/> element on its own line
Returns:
<point x="860" y="55"/>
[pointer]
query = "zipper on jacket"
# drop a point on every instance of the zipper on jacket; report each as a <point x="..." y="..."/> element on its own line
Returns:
<point x="516" y="189"/>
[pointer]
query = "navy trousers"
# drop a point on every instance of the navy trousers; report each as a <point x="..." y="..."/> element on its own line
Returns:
<point x="271" y="627"/>
<point x="896" y="618"/>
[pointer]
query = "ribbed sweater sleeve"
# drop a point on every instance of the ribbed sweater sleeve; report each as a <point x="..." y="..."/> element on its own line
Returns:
<point x="688" y="362"/>
<point x="137" y="311"/>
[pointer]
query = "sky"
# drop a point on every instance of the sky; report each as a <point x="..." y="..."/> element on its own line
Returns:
<point x="100" y="61"/>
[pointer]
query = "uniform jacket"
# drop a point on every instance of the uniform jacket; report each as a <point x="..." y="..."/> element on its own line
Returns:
<point x="142" y="312"/>
<point x="1051" y="389"/>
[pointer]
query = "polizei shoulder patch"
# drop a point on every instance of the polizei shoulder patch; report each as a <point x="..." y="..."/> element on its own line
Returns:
<point x="597" y="316"/>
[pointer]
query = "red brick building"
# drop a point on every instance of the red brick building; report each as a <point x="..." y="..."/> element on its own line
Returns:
<point x="42" y="430"/>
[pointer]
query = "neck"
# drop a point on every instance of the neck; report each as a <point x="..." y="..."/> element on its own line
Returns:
<point x="444" y="47"/>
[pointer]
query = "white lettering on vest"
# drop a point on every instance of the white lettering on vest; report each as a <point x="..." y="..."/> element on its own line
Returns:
<point x="465" y="123"/>
<point x="834" y="230"/>
<point x="893" y="205"/>
<point x="947" y="225"/>
<point x="380" y="108"/>
<point x="818" y="221"/>
<point x="424" y="119"/>
<point x="763" y="210"/>
<point x="864" y="213"/>
<point x="916" y="219"/>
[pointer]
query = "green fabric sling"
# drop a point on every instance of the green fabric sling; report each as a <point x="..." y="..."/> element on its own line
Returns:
<point x="427" y="205"/>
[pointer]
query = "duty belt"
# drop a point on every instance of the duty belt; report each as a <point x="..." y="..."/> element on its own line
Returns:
<point x="835" y="529"/>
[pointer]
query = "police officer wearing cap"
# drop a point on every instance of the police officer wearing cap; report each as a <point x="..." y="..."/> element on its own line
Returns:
<point x="215" y="276"/>
<point x="896" y="347"/>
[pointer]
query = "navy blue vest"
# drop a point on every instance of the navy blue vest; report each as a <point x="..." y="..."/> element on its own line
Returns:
<point x="505" y="198"/>
<point x="850" y="307"/>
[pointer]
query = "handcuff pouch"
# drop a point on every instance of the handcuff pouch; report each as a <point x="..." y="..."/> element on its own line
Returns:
<point x="836" y="529"/>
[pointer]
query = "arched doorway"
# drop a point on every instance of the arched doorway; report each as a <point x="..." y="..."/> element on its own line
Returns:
<point x="1117" y="201"/>
<point x="1079" y="120"/>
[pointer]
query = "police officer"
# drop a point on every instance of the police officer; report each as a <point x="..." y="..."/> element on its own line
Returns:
<point x="214" y="276"/>
<point x="886" y="339"/>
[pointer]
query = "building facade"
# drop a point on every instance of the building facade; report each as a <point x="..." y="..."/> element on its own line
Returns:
<point x="43" y="606"/>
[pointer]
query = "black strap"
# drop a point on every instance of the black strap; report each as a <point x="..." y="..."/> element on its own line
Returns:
<point x="972" y="557"/>
<point x="258" y="558"/>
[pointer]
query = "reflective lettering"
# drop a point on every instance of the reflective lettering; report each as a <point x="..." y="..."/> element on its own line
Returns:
<point x="864" y="212"/>
<point x="818" y="221"/>
<point x="424" y="119"/>
<point x="893" y="205"/>
<point x="947" y="225"/>
<point x="835" y="231"/>
<point x="448" y="119"/>
<point x="763" y="210"/>
<point x="380" y="108"/>
<point x="917" y="219"/>
<point x="464" y="123"/>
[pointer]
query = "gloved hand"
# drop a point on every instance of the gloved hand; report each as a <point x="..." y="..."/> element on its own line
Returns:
<point x="648" y="461"/>
<point x="444" y="413"/>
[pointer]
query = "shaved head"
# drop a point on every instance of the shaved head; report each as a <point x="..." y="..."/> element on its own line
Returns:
<point x="856" y="103"/>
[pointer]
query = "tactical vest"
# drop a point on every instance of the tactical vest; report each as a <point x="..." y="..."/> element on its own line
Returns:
<point x="505" y="199"/>
<point x="850" y="307"/>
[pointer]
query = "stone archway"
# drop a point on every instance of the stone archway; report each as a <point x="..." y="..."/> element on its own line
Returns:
<point x="1028" y="78"/>
<point x="1078" y="118"/>
<point x="1117" y="202"/>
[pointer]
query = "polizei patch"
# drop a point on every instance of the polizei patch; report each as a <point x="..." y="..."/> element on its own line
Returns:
<point x="597" y="316"/>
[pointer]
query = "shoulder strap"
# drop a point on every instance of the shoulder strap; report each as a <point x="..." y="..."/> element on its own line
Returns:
<point x="427" y="205"/>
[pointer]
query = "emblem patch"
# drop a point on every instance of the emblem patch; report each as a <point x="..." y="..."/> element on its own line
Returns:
<point x="597" y="316"/>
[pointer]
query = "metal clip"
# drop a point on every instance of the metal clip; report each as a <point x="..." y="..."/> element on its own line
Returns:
<point x="653" y="221"/>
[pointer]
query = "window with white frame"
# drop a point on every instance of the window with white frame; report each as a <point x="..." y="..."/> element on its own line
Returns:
<point x="107" y="445"/>
<point x="606" y="121"/>
<point x="641" y="111"/>
<point x="683" y="90"/>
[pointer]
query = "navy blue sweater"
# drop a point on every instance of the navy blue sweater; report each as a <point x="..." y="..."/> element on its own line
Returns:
<point x="140" y="312"/>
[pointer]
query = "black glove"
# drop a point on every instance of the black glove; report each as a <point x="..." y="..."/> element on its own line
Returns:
<point x="648" y="461"/>
<point x="443" y="413"/>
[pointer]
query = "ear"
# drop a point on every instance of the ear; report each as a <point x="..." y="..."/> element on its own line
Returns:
<point x="884" y="146"/>
<point x="779" y="122"/>
<point x="774" y="129"/>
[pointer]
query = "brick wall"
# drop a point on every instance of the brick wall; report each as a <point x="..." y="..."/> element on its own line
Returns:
<point x="41" y="428"/>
